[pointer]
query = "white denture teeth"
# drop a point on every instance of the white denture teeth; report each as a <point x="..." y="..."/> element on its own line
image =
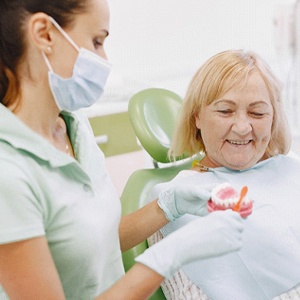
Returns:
<point x="225" y="195"/>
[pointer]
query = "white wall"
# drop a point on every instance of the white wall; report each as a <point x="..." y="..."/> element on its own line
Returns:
<point x="163" y="42"/>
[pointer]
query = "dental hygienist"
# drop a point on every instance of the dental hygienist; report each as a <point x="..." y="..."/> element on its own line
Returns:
<point x="61" y="231"/>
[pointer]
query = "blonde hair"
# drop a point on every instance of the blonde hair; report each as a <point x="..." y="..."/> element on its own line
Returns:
<point x="214" y="78"/>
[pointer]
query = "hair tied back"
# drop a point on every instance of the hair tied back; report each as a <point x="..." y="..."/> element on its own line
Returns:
<point x="3" y="5"/>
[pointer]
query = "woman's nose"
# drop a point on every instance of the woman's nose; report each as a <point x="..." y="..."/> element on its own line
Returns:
<point x="242" y="124"/>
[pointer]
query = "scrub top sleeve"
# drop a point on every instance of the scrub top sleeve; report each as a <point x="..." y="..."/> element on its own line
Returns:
<point x="21" y="215"/>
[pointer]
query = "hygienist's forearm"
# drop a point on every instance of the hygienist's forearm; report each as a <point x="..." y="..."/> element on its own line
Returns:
<point x="138" y="284"/>
<point x="139" y="225"/>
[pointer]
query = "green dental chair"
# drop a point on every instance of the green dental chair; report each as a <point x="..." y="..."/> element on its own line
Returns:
<point x="153" y="114"/>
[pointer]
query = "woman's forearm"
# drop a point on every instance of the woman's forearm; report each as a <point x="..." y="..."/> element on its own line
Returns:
<point x="139" y="225"/>
<point x="138" y="284"/>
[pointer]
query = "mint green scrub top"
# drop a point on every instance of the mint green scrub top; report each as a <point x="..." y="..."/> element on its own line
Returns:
<point x="72" y="202"/>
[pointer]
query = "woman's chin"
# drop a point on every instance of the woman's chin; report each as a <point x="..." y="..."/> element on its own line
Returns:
<point x="239" y="163"/>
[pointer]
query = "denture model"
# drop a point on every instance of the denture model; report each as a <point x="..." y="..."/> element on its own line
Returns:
<point x="224" y="196"/>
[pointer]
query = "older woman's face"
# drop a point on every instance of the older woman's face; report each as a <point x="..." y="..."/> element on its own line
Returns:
<point x="236" y="128"/>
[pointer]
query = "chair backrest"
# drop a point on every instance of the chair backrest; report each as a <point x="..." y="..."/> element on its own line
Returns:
<point x="153" y="114"/>
<point x="135" y="196"/>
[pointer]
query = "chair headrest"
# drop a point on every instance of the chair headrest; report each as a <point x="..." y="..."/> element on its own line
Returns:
<point x="153" y="114"/>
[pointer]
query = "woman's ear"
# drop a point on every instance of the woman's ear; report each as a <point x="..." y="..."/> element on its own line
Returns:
<point x="197" y="121"/>
<point x="41" y="31"/>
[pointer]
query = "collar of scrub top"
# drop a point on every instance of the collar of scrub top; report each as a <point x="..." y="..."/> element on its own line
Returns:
<point x="20" y="136"/>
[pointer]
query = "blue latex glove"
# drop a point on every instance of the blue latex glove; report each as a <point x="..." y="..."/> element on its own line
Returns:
<point x="184" y="199"/>
<point x="213" y="235"/>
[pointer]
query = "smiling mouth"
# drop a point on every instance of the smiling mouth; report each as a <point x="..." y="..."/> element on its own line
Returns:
<point x="239" y="142"/>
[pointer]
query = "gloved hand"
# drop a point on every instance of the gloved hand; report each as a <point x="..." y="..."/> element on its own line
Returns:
<point x="216" y="234"/>
<point x="182" y="199"/>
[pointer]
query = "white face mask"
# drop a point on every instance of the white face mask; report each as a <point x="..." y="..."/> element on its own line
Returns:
<point x="87" y="83"/>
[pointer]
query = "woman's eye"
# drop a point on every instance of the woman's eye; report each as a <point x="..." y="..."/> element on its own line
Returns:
<point x="225" y="111"/>
<point x="257" y="114"/>
<point x="97" y="43"/>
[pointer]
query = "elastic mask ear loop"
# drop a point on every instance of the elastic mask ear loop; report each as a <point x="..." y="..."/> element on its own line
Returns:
<point x="47" y="61"/>
<point x="58" y="27"/>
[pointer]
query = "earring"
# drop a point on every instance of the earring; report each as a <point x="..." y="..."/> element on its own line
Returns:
<point x="49" y="49"/>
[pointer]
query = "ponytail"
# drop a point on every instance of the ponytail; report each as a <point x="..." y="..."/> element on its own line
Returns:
<point x="3" y="80"/>
<point x="11" y="49"/>
<point x="13" y="15"/>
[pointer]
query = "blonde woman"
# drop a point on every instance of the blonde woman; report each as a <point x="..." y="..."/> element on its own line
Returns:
<point x="233" y="113"/>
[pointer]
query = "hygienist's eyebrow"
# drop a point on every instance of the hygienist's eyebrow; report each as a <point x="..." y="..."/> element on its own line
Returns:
<point x="103" y="33"/>
<point x="106" y="33"/>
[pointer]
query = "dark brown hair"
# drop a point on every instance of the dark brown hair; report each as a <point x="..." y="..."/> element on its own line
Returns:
<point x="13" y="14"/>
